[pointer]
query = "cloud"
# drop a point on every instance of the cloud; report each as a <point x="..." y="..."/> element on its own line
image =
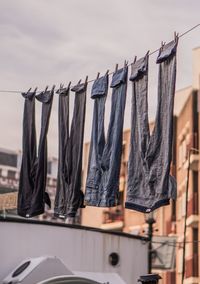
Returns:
<point x="47" y="41"/>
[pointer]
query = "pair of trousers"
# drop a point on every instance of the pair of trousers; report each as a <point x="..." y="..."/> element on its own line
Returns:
<point x="32" y="184"/>
<point x="102" y="185"/>
<point x="69" y="196"/>
<point x="150" y="184"/>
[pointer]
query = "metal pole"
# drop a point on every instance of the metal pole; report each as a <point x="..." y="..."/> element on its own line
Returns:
<point x="150" y="234"/>
<point x="150" y="223"/>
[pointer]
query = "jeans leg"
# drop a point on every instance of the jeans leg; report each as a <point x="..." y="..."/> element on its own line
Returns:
<point x="63" y="128"/>
<point x="74" y="194"/>
<point x="26" y="182"/>
<point x="40" y="197"/>
<point x="137" y="186"/>
<point x="152" y="186"/>
<point x="94" y="174"/>
<point x="111" y="159"/>
<point x="160" y="147"/>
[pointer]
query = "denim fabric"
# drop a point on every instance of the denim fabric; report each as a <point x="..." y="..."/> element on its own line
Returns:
<point x="32" y="196"/>
<point x="102" y="185"/>
<point x="63" y="137"/>
<point x="100" y="87"/>
<point x="150" y="184"/>
<point x="69" y="196"/>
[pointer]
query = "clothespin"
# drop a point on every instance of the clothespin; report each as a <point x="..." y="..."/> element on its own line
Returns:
<point x="147" y="53"/>
<point x="79" y="82"/>
<point x="116" y="67"/>
<point x="69" y="84"/>
<point x="107" y="72"/>
<point x="135" y="58"/>
<point x="176" y="36"/>
<point x="86" y="79"/>
<point x="125" y="63"/>
<point x="162" y="44"/>
<point x="60" y="88"/>
<point x="35" y="90"/>
<point x="46" y="88"/>
<point x="29" y="90"/>
<point x="52" y="90"/>
<point x="98" y="74"/>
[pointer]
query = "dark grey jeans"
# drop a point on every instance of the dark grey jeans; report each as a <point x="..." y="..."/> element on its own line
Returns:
<point x="69" y="196"/>
<point x="150" y="184"/>
<point x="32" y="196"/>
<point x="102" y="185"/>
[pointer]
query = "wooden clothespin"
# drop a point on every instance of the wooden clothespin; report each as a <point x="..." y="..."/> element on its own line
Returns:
<point x="46" y="88"/>
<point x="35" y="90"/>
<point x="86" y="79"/>
<point x="135" y="58"/>
<point x="60" y="88"/>
<point x="69" y="84"/>
<point x="98" y="74"/>
<point x="116" y="67"/>
<point x="162" y="44"/>
<point x="125" y="63"/>
<point x="147" y="53"/>
<point x="176" y="36"/>
<point x="29" y="90"/>
<point x="52" y="90"/>
<point x="107" y="72"/>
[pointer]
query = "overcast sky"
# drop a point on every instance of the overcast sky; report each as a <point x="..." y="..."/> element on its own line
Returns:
<point x="47" y="41"/>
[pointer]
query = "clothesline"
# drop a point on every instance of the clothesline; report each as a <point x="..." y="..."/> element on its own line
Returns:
<point x="110" y="73"/>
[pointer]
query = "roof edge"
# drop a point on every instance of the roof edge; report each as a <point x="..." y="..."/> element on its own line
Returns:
<point x="80" y="227"/>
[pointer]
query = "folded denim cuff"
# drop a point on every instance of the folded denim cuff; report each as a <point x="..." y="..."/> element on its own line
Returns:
<point x="29" y="95"/>
<point x="63" y="92"/>
<point x="166" y="51"/>
<point x="139" y="68"/>
<point x="79" y="88"/>
<point x="119" y="77"/>
<point x="100" y="87"/>
<point x="44" y="97"/>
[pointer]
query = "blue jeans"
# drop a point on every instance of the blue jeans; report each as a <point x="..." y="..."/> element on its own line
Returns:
<point x="69" y="196"/>
<point x="102" y="184"/>
<point x="32" y="184"/>
<point x="150" y="184"/>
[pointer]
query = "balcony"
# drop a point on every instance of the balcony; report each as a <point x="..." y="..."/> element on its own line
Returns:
<point x="170" y="227"/>
<point x="8" y="200"/>
<point x="191" y="266"/>
<point x="113" y="219"/>
<point x="193" y="218"/>
<point x="194" y="162"/>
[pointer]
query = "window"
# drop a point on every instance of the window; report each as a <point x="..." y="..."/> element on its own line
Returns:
<point x="8" y="159"/>
<point x="195" y="252"/>
<point x="11" y="174"/>
<point x="182" y="152"/>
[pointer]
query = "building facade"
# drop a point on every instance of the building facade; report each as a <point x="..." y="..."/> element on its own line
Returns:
<point x="170" y="219"/>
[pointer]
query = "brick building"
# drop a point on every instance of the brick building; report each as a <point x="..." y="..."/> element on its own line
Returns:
<point x="169" y="219"/>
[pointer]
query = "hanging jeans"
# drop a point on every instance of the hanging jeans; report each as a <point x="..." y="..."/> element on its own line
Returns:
<point x="102" y="185"/>
<point x="32" y="196"/>
<point x="150" y="184"/>
<point x="69" y="196"/>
